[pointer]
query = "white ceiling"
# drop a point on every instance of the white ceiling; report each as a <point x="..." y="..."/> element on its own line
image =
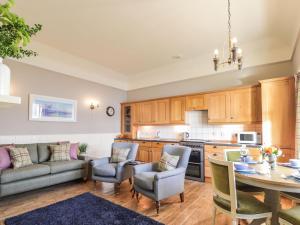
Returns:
<point x="129" y="44"/>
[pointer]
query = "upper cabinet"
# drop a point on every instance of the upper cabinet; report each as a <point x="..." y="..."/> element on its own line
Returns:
<point x="162" y="111"/>
<point x="278" y="112"/>
<point x="147" y="113"/>
<point x="237" y="106"/>
<point x="126" y="119"/>
<point x="196" y="102"/>
<point x="177" y="108"/>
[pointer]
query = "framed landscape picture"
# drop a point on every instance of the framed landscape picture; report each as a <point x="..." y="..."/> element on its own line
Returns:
<point x="45" y="108"/>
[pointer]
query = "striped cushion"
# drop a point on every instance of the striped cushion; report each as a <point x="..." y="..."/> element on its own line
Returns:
<point x="119" y="155"/>
<point x="60" y="152"/>
<point x="168" y="162"/>
<point x="20" y="157"/>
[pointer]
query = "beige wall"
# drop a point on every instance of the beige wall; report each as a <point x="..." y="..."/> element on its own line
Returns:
<point x="296" y="57"/>
<point x="213" y="82"/>
<point x="28" y="79"/>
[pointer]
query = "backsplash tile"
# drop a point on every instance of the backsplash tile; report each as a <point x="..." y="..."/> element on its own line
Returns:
<point x="198" y="127"/>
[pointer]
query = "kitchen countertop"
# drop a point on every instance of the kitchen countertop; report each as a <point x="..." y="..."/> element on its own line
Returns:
<point x="209" y="142"/>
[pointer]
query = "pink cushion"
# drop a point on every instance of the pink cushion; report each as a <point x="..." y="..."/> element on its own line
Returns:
<point x="74" y="150"/>
<point x="5" y="161"/>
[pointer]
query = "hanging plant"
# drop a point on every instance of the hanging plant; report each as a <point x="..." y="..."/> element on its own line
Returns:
<point x="15" y="34"/>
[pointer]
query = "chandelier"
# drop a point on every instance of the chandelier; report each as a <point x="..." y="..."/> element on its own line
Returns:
<point x="234" y="53"/>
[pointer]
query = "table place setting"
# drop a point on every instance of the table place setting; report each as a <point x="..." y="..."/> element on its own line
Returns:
<point x="293" y="163"/>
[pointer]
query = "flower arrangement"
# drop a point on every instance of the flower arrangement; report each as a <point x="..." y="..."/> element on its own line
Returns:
<point x="268" y="151"/>
<point x="82" y="148"/>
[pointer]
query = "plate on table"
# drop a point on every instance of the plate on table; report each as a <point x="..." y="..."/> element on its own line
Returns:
<point x="289" y="165"/>
<point x="247" y="171"/>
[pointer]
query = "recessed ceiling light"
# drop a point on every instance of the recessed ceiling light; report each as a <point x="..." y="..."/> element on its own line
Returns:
<point x="177" y="57"/>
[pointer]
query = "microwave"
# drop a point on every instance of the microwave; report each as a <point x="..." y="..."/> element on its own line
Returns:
<point x="247" y="137"/>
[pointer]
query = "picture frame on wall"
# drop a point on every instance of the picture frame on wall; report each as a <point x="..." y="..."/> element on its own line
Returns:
<point x="46" y="108"/>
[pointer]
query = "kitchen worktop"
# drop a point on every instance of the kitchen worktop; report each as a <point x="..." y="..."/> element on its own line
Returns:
<point x="208" y="142"/>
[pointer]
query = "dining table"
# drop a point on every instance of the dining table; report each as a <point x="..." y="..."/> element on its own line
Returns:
<point x="273" y="182"/>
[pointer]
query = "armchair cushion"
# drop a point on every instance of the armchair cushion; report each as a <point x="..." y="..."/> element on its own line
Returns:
<point x="119" y="154"/>
<point x="105" y="170"/>
<point x="168" y="162"/>
<point x="145" y="180"/>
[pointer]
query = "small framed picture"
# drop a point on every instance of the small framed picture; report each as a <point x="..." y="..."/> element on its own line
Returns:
<point x="45" y="108"/>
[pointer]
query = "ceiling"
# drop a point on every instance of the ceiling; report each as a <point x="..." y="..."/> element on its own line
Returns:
<point x="131" y="44"/>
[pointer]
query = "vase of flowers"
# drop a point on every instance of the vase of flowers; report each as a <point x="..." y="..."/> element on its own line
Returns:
<point x="270" y="154"/>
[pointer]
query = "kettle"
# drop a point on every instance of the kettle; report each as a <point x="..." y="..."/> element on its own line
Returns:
<point x="186" y="135"/>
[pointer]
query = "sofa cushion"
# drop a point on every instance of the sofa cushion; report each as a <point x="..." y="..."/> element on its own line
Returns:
<point x="32" y="149"/>
<point x="60" y="152"/>
<point x="106" y="170"/>
<point x="19" y="157"/>
<point x="5" y="161"/>
<point x="44" y="151"/>
<point x="63" y="166"/>
<point x="35" y="170"/>
<point x="145" y="180"/>
<point x="168" y="162"/>
<point x="119" y="154"/>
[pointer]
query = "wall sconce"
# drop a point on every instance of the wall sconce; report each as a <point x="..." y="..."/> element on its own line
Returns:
<point x="93" y="106"/>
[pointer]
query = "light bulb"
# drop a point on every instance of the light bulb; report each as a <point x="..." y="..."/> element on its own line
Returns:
<point x="234" y="41"/>
<point x="216" y="53"/>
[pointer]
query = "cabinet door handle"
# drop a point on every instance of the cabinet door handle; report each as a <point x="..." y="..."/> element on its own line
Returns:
<point x="214" y="146"/>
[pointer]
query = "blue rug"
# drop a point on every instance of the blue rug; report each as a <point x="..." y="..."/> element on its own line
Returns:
<point x="85" y="209"/>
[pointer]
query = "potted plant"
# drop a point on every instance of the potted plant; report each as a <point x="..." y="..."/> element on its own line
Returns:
<point x="15" y="35"/>
<point x="271" y="153"/>
<point x="82" y="148"/>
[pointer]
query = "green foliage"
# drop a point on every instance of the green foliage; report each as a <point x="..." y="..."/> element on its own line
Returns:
<point x="82" y="148"/>
<point x="15" y="34"/>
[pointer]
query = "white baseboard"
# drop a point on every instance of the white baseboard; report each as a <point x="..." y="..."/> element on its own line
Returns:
<point x="99" y="144"/>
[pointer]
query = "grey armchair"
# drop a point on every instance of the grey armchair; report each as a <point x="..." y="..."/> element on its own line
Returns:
<point x="157" y="185"/>
<point x="105" y="171"/>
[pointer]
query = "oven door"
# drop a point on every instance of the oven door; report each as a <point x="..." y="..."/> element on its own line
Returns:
<point x="195" y="171"/>
<point x="196" y="156"/>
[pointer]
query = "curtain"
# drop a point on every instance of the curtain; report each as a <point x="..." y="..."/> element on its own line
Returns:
<point x="297" y="78"/>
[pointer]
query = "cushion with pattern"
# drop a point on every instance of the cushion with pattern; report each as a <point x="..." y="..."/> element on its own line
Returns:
<point x="19" y="157"/>
<point x="60" y="152"/>
<point x="168" y="162"/>
<point x="119" y="155"/>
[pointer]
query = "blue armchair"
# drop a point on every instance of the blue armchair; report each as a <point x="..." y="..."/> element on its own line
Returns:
<point x="105" y="171"/>
<point x="157" y="185"/>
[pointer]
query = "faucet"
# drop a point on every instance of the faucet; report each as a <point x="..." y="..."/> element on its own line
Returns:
<point x="157" y="134"/>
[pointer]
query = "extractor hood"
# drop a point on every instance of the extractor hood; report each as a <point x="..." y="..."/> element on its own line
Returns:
<point x="5" y="99"/>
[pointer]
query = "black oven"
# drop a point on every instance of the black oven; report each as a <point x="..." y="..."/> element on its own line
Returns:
<point x="195" y="168"/>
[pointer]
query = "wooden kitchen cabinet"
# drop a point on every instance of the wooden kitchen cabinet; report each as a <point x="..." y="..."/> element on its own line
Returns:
<point x="237" y="106"/>
<point x="162" y="111"/>
<point x="136" y="114"/>
<point x="278" y="112"/>
<point x="147" y="112"/>
<point x="196" y="102"/>
<point x="126" y="119"/>
<point x="218" y="107"/>
<point x="177" y="108"/>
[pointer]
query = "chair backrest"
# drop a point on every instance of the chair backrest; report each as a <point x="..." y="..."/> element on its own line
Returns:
<point x="182" y="151"/>
<point x="133" y="148"/>
<point x="232" y="155"/>
<point x="223" y="181"/>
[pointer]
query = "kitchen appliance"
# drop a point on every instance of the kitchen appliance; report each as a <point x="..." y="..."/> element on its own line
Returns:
<point x="195" y="168"/>
<point x="247" y="137"/>
<point x="183" y="136"/>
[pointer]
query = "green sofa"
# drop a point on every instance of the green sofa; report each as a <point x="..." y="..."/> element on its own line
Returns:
<point x="42" y="173"/>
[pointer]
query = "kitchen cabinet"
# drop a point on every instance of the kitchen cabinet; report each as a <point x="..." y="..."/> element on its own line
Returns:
<point x="278" y="112"/>
<point x="136" y="114"/>
<point x="219" y="150"/>
<point x="196" y="102"/>
<point x="236" y="106"/>
<point x="218" y="107"/>
<point x="147" y="112"/>
<point x="177" y="108"/>
<point x="162" y="111"/>
<point x="126" y="120"/>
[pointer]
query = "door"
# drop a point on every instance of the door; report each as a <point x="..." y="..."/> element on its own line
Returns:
<point x="162" y="111"/>
<point x="278" y="112"/>
<point x="126" y="121"/>
<point x="155" y="154"/>
<point x="177" y="108"/>
<point x="195" y="102"/>
<point x="218" y="107"/>
<point x="136" y="113"/>
<point x="147" y="115"/>
<point x="243" y="105"/>
<point x="144" y="154"/>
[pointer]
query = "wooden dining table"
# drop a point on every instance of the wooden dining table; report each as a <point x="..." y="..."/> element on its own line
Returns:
<point x="278" y="180"/>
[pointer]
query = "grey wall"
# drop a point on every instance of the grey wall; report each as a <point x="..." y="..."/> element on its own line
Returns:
<point x="213" y="82"/>
<point x="27" y="79"/>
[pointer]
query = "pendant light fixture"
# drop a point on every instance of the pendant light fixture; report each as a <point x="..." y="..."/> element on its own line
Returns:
<point x="234" y="52"/>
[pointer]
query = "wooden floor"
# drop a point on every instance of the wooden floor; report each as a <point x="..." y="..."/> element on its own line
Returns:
<point x="196" y="210"/>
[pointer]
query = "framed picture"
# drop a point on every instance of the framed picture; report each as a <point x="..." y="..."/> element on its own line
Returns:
<point x="45" y="108"/>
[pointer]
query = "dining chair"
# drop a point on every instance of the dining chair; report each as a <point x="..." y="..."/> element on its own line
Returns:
<point x="290" y="216"/>
<point x="295" y="197"/>
<point x="234" y="155"/>
<point x="226" y="199"/>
